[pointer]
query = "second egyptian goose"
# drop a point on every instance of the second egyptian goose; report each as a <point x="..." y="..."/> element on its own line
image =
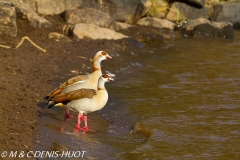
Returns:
<point x="83" y="101"/>
<point x="81" y="81"/>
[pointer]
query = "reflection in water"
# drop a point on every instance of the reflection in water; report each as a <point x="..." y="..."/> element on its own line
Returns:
<point x="185" y="98"/>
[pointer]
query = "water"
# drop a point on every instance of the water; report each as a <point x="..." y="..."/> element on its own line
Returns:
<point x="183" y="96"/>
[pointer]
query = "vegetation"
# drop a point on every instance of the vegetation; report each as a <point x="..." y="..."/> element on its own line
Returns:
<point x="159" y="9"/>
<point x="160" y="6"/>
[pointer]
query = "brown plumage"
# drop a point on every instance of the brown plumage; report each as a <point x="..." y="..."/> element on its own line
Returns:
<point x="82" y="81"/>
<point x="69" y="82"/>
<point x="73" y="95"/>
<point x="83" y="101"/>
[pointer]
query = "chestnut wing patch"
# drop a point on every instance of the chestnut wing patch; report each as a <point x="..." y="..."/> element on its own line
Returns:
<point x="74" y="95"/>
<point x="57" y="91"/>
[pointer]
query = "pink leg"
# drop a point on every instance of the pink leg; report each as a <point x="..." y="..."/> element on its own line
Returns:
<point x="66" y="116"/>
<point x="78" y="126"/>
<point x="86" y="128"/>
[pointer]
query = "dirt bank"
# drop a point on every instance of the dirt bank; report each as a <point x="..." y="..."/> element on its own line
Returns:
<point x="26" y="77"/>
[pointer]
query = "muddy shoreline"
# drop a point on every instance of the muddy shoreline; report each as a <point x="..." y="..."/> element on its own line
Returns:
<point x="27" y="76"/>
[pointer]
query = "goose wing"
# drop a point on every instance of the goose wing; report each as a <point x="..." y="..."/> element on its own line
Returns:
<point x="64" y="98"/>
<point x="71" y="81"/>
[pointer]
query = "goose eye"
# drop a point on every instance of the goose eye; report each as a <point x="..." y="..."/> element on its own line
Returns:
<point x="104" y="52"/>
<point x="105" y="76"/>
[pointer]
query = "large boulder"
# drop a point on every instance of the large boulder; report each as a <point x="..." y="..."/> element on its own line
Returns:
<point x="26" y="12"/>
<point x="82" y="30"/>
<point x="148" y="34"/>
<point x="225" y="29"/>
<point x="156" y="22"/>
<point x="182" y="11"/>
<point x="128" y="11"/>
<point x="8" y="24"/>
<point x="90" y="16"/>
<point x="226" y="12"/>
<point x="205" y="27"/>
<point x="51" y="7"/>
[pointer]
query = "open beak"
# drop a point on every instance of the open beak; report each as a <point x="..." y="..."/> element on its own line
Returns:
<point x="111" y="80"/>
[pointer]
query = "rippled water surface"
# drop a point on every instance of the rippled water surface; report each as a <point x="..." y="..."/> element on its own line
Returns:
<point x="183" y="95"/>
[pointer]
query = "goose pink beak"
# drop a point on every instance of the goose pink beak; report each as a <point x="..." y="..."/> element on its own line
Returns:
<point x="109" y="57"/>
<point x="111" y="80"/>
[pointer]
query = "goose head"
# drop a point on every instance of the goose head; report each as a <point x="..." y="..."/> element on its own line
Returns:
<point x="106" y="78"/>
<point x="102" y="79"/>
<point x="101" y="55"/>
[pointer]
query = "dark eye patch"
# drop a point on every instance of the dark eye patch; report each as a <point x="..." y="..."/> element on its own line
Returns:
<point x="105" y="76"/>
<point x="104" y="52"/>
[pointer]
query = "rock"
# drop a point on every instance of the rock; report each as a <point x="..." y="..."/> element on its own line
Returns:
<point x="236" y="25"/>
<point x="148" y="34"/>
<point x="197" y="22"/>
<point x="185" y="12"/>
<point x="225" y="29"/>
<point x="128" y="11"/>
<point x="204" y="27"/>
<point x="141" y="10"/>
<point x="92" y="31"/>
<point x="52" y="7"/>
<point x="195" y="3"/>
<point x="90" y="16"/>
<point x="26" y="12"/>
<point x="8" y="24"/>
<point x="226" y="12"/>
<point x="156" y="22"/>
<point x="123" y="25"/>
<point x="139" y="127"/>
<point x="122" y="11"/>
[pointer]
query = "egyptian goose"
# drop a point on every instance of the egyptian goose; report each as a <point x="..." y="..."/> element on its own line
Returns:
<point x="83" y="101"/>
<point x="81" y="81"/>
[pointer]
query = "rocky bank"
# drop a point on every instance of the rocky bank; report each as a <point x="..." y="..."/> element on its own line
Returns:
<point x="101" y="19"/>
<point x="66" y="30"/>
